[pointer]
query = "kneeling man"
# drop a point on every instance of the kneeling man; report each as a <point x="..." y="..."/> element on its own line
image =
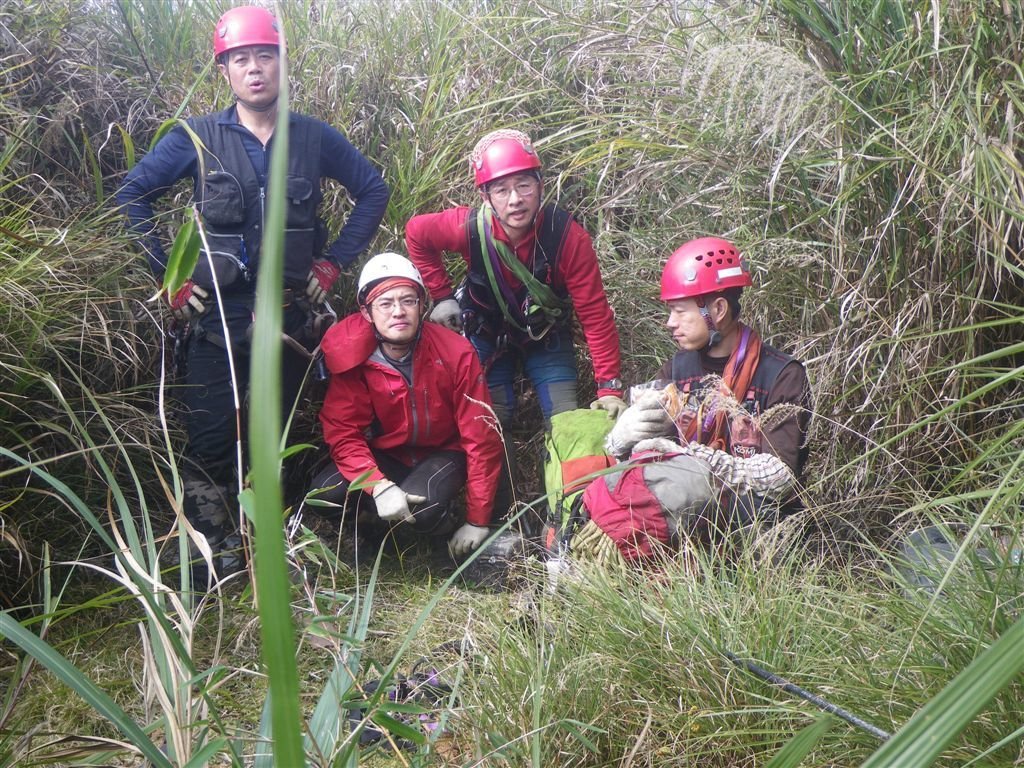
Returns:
<point x="724" y="443"/>
<point x="407" y="412"/>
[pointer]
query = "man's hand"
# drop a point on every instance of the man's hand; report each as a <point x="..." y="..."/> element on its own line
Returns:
<point x="188" y="302"/>
<point x="393" y="503"/>
<point x="449" y="314"/>
<point x="644" y="419"/>
<point x="611" y="403"/>
<point x="466" y="539"/>
<point x="321" y="277"/>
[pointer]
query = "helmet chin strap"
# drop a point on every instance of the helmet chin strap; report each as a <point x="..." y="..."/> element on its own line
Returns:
<point x="714" y="337"/>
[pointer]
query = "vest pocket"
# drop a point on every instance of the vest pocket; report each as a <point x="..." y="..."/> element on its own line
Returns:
<point x="300" y="211"/>
<point x="223" y="203"/>
<point x="228" y="258"/>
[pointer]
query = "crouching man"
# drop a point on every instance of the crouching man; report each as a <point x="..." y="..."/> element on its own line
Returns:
<point x="406" y="412"/>
<point x="723" y="444"/>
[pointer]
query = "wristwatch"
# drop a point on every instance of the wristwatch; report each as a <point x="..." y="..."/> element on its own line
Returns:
<point x="610" y="384"/>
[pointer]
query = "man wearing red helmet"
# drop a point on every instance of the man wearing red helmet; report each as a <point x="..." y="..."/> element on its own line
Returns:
<point x="530" y="266"/>
<point x="230" y="183"/>
<point x="726" y="441"/>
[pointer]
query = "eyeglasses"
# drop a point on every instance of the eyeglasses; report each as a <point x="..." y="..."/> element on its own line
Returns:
<point x="388" y="305"/>
<point x="522" y="188"/>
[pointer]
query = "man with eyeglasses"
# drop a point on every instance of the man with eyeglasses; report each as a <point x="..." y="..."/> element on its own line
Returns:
<point x="530" y="267"/>
<point x="407" y="415"/>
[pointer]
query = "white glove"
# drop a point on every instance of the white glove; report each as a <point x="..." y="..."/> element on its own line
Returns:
<point x="449" y="314"/>
<point x="466" y="539"/>
<point x="644" y="419"/>
<point x="611" y="403"/>
<point x="393" y="503"/>
<point x="661" y="445"/>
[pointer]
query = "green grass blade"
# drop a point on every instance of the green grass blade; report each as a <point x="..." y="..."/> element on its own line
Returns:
<point x="74" y="679"/>
<point x="940" y="721"/>
<point x="791" y="755"/>
<point x="276" y="626"/>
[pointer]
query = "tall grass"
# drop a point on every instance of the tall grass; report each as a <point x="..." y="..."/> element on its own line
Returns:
<point x="863" y="153"/>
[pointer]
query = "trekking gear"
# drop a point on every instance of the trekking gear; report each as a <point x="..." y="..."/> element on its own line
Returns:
<point x="449" y="314"/>
<point x="230" y="199"/>
<point x="490" y="305"/>
<point x="322" y="275"/>
<point x="188" y="302"/>
<point x="467" y="538"/>
<point x="502" y="153"/>
<point x="612" y="404"/>
<point x="382" y="267"/>
<point x="702" y="266"/>
<point x="644" y="419"/>
<point x="627" y="511"/>
<point x="574" y="450"/>
<point x="244" y="26"/>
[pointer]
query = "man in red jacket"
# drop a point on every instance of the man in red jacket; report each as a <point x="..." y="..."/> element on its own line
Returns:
<point x="407" y="414"/>
<point x="530" y="266"/>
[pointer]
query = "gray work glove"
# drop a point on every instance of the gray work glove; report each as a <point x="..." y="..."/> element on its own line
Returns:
<point x="644" y="419"/>
<point x="449" y="314"/>
<point x="393" y="503"/>
<point x="611" y="403"/>
<point x="466" y="539"/>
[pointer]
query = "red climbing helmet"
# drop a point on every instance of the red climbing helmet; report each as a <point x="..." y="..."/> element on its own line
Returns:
<point x="244" y="26"/>
<point x="502" y="153"/>
<point x="702" y="266"/>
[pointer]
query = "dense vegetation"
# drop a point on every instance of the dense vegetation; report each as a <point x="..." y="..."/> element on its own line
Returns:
<point x="865" y="154"/>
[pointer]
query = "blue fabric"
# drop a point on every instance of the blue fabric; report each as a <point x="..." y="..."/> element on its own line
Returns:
<point x="550" y="364"/>
<point x="174" y="158"/>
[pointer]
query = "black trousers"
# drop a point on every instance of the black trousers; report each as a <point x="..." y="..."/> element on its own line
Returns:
<point x="439" y="478"/>
<point x="207" y="395"/>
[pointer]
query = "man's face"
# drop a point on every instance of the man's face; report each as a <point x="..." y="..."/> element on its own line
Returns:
<point x="687" y="325"/>
<point x="396" y="314"/>
<point x="254" y="74"/>
<point x="515" y="200"/>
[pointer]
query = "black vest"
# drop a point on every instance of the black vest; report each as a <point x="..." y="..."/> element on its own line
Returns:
<point x="233" y="204"/>
<point x="687" y="372"/>
<point x="478" y="296"/>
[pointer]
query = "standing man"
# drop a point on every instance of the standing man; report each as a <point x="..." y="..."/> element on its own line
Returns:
<point x="230" y="183"/>
<point x="407" y="412"/>
<point x="726" y="442"/>
<point x="529" y="267"/>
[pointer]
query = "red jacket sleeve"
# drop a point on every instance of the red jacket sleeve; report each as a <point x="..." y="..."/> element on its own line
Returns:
<point x="427" y="237"/>
<point x="579" y="270"/>
<point x="480" y="439"/>
<point x="346" y="412"/>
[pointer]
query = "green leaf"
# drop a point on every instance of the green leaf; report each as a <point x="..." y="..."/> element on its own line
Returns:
<point x="920" y="742"/>
<point x="397" y="728"/>
<point x="83" y="686"/>
<point x="182" y="258"/>
<point x="797" y="748"/>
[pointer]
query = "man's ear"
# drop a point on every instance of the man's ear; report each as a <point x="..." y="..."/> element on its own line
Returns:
<point x="366" y="314"/>
<point x="719" y="309"/>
